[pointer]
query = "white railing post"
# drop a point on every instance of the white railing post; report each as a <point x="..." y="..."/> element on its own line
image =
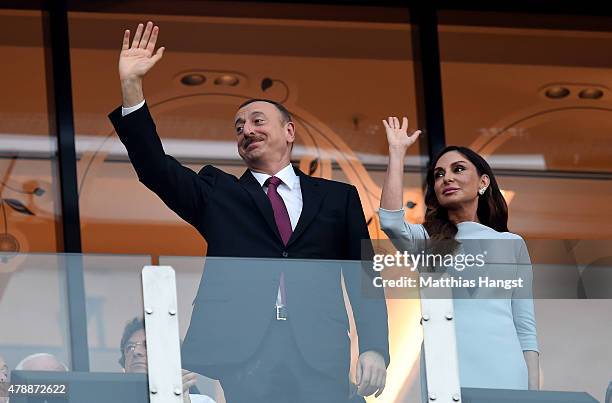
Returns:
<point x="162" y="334"/>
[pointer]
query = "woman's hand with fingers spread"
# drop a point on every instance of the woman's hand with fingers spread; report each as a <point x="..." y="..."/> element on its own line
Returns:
<point x="397" y="135"/>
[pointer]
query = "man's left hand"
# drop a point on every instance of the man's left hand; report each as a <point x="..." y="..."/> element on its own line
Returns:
<point x="189" y="379"/>
<point x="371" y="373"/>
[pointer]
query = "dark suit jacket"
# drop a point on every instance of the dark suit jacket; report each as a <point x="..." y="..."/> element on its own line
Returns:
<point x="234" y="304"/>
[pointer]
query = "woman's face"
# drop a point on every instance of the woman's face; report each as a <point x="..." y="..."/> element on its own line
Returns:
<point x="456" y="180"/>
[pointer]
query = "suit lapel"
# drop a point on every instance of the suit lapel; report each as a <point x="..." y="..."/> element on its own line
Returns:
<point x="312" y="196"/>
<point x="250" y="184"/>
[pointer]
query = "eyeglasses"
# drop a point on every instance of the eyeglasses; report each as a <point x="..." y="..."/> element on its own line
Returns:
<point x="130" y="347"/>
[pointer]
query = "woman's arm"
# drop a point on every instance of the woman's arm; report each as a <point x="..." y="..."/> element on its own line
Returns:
<point x="393" y="189"/>
<point x="391" y="212"/>
<point x="399" y="141"/>
<point x="532" y="359"/>
<point x="523" y="313"/>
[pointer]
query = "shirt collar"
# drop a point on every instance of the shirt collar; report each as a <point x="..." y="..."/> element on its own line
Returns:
<point x="287" y="175"/>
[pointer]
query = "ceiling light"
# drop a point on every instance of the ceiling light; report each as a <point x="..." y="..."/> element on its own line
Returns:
<point x="591" y="93"/>
<point x="193" y="79"/>
<point x="227" y="79"/>
<point x="557" y="92"/>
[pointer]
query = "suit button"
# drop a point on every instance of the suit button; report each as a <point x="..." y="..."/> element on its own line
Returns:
<point x="285" y="253"/>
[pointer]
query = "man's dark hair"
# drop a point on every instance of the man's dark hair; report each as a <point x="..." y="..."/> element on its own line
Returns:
<point x="285" y="115"/>
<point x="131" y="327"/>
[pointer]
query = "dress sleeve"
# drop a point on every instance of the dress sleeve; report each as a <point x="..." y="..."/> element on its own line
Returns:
<point x="401" y="233"/>
<point x="522" y="303"/>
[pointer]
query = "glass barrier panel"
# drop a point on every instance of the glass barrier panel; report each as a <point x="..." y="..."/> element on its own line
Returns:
<point x="34" y="310"/>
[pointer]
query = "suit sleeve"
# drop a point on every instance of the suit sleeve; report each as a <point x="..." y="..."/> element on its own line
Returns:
<point x="180" y="188"/>
<point x="368" y="302"/>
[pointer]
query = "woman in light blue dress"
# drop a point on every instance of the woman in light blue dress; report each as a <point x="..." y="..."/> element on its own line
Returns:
<point x="496" y="337"/>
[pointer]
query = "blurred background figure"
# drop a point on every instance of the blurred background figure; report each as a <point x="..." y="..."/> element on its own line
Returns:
<point x="41" y="362"/>
<point x="4" y="380"/>
<point x="134" y="360"/>
<point x="596" y="279"/>
<point x="134" y="347"/>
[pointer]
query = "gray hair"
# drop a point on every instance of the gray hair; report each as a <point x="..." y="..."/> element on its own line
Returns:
<point x="22" y="363"/>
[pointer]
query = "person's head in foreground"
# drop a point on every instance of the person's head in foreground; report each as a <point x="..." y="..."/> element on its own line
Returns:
<point x="41" y="362"/>
<point x="4" y="371"/>
<point x="4" y="380"/>
<point x="461" y="183"/>
<point x="265" y="134"/>
<point x="134" y="347"/>
<point x="134" y="357"/>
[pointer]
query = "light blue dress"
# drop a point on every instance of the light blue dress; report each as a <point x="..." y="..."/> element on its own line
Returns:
<point x="492" y="333"/>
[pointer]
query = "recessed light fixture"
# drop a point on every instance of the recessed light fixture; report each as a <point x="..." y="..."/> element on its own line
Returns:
<point x="591" y="93"/>
<point x="193" y="79"/>
<point x="227" y="79"/>
<point x="557" y="92"/>
<point x="410" y="204"/>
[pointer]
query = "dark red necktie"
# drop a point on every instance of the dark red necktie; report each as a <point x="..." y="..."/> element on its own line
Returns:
<point x="283" y="223"/>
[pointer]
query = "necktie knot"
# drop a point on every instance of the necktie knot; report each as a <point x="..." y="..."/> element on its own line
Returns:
<point x="273" y="181"/>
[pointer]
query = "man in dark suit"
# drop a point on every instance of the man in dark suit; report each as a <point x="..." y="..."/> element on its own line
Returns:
<point x="272" y="329"/>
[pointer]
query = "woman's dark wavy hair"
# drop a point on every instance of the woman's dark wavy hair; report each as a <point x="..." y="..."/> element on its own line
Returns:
<point x="492" y="208"/>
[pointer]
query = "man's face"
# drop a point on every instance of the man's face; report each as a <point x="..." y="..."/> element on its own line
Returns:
<point x="261" y="134"/>
<point x="136" y="353"/>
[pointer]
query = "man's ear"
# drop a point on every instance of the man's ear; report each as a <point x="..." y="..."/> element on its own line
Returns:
<point x="290" y="132"/>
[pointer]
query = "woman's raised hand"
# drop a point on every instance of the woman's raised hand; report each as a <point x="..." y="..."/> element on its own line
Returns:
<point x="137" y="59"/>
<point x="397" y="135"/>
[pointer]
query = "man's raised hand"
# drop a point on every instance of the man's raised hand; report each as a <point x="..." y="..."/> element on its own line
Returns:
<point x="137" y="59"/>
